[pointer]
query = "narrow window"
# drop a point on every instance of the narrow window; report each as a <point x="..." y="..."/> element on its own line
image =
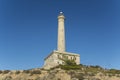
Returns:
<point x="71" y="58"/>
<point x="75" y="58"/>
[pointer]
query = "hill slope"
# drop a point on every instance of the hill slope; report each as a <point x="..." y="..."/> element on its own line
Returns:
<point x="73" y="72"/>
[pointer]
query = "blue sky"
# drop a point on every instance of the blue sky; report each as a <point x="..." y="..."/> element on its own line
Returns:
<point x="28" y="31"/>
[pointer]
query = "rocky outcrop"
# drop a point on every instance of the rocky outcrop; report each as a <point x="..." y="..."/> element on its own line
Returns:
<point x="84" y="73"/>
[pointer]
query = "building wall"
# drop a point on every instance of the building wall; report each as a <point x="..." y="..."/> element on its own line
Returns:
<point x="51" y="61"/>
<point x="55" y="58"/>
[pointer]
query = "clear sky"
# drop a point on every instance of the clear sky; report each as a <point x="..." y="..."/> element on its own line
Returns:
<point x="28" y="31"/>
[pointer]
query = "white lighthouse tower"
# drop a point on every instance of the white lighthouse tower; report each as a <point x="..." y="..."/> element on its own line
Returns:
<point x="61" y="33"/>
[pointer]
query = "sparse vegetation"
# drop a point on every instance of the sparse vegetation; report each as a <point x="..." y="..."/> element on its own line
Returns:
<point x="70" y="67"/>
<point x="113" y="71"/>
<point x="0" y="71"/>
<point x="76" y="72"/>
<point x="67" y="61"/>
<point x="17" y="72"/>
<point x="6" y="71"/>
<point x="35" y="72"/>
<point x="26" y="71"/>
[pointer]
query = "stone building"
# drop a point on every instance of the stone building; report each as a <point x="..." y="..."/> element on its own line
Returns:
<point x="55" y="57"/>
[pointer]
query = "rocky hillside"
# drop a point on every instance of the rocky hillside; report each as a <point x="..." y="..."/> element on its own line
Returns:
<point x="74" y="72"/>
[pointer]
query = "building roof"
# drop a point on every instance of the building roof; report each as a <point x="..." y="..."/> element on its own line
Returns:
<point x="66" y="53"/>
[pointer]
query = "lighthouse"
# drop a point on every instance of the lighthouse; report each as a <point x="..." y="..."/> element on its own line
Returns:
<point x="56" y="57"/>
<point x="61" y="33"/>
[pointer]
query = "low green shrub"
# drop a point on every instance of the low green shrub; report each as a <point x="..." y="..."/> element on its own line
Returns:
<point x="26" y="71"/>
<point x="0" y="71"/>
<point x="70" y="67"/>
<point x="35" y="72"/>
<point x="113" y="71"/>
<point x="17" y="72"/>
<point x="6" y="71"/>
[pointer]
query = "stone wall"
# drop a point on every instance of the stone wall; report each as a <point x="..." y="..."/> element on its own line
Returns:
<point x="55" y="58"/>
